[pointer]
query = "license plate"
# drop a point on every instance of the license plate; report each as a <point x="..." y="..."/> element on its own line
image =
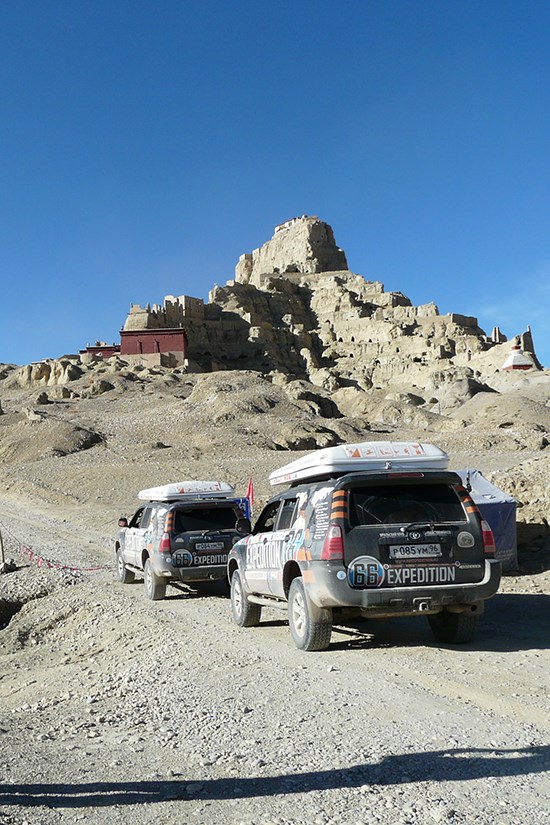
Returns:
<point x="209" y="545"/>
<point x="414" y="551"/>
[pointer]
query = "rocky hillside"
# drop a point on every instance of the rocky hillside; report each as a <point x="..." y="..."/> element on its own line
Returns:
<point x="88" y="436"/>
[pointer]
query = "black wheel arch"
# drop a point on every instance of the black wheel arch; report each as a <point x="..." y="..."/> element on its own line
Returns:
<point x="291" y="571"/>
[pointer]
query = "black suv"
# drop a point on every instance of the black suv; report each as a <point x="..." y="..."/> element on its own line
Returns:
<point x="376" y="543"/>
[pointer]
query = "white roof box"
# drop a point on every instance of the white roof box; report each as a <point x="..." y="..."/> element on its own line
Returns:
<point x="187" y="490"/>
<point x="360" y="458"/>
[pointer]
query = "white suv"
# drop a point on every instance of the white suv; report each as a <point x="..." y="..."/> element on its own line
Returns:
<point x="183" y="533"/>
<point x="368" y="530"/>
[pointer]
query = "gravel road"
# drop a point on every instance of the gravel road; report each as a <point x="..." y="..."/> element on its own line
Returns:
<point x="117" y="709"/>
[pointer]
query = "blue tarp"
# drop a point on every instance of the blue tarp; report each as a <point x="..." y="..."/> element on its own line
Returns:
<point x="244" y="504"/>
<point x="499" y="511"/>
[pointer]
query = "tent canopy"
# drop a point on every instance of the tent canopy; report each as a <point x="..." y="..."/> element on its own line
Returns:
<point x="499" y="511"/>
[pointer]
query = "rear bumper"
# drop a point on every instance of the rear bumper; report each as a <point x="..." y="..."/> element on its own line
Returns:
<point x="328" y="587"/>
<point x="162" y="565"/>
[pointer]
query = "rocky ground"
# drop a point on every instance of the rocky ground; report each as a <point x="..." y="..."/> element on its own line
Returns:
<point x="117" y="709"/>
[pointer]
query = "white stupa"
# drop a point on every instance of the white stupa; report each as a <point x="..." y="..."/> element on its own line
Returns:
<point x="518" y="359"/>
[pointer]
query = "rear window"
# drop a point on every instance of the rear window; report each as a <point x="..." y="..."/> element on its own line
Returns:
<point x="404" y="504"/>
<point x="205" y="518"/>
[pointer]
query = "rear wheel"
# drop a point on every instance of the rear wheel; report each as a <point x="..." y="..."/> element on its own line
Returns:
<point x="245" y="613"/>
<point x="123" y="574"/>
<point x="457" y="628"/>
<point x="155" y="586"/>
<point x="307" y="633"/>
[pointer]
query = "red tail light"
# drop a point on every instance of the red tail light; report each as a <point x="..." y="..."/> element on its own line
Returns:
<point x="333" y="548"/>
<point x="489" y="546"/>
<point x="164" y="546"/>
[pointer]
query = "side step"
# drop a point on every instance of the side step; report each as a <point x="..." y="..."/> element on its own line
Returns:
<point x="267" y="601"/>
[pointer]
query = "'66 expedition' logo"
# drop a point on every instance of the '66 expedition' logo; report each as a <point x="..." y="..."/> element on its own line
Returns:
<point x="366" y="571"/>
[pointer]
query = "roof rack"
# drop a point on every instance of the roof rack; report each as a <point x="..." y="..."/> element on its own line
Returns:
<point x="363" y="457"/>
<point x="188" y="491"/>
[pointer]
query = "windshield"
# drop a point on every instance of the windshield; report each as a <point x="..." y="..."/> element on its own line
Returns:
<point x="404" y="504"/>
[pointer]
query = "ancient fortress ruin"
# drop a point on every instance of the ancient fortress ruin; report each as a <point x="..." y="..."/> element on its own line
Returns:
<point x="296" y="309"/>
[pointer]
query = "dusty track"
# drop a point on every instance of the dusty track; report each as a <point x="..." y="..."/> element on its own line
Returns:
<point x="116" y="709"/>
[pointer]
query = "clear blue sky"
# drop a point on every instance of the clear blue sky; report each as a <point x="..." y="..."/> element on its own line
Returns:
<point x="146" y="144"/>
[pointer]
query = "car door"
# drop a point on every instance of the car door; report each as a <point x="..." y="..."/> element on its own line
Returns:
<point x="283" y="541"/>
<point x="135" y="533"/>
<point x="259" y="548"/>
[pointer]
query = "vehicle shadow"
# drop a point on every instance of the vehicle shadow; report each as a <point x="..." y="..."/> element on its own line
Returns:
<point x="533" y="547"/>
<point x="177" y="590"/>
<point x="511" y="622"/>
<point x="458" y="764"/>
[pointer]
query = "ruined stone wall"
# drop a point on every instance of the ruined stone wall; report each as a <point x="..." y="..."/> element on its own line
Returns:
<point x="174" y="312"/>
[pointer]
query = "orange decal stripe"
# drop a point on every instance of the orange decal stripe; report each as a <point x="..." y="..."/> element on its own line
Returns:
<point x="334" y="513"/>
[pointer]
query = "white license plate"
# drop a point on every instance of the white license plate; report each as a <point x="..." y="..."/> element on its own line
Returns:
<point x="209" y="545"/>
<point x="414" y="551"/>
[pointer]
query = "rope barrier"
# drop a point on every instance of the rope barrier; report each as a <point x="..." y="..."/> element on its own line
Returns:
<point x="41" y="560"/>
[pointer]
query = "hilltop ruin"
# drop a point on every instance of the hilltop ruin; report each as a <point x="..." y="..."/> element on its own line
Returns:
<point x="295" y="308"/>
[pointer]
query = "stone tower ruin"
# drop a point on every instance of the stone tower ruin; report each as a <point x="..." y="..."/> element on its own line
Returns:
<point x="301" y="245"/>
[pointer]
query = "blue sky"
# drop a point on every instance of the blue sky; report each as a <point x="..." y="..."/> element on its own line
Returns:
<point x="145" y="145"/>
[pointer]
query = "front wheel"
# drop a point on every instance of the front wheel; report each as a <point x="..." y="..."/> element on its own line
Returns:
<point x="245" y="613"/>
<point x="123" y="574"/>
<point x="155" y="586"/>
<point x="307" y="633"/>
<point x="457" y="628"/>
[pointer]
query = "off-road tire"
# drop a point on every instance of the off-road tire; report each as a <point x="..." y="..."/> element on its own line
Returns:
<point x="245" y="613"/>
<point x="453" y="628"/>
<point x="155" y="586"/>
<point x="123" y="574"/>
<point x="306" y="633"/>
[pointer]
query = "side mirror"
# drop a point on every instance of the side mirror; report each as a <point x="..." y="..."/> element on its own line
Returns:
<point x="243" y="526"/>
<point x="123" y="521"/>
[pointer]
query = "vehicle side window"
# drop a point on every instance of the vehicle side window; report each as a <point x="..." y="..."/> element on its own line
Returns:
<point x="266" y="521"/>
<point x="286" y="516"/>
<point x="146" y="517"/>
<point x="136" y="518"/>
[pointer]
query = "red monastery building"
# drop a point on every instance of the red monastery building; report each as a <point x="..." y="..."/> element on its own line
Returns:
<point x="172" y="343"/>
<point x="166" y="347"/>
<point x="101" y="350"/>
<point x="154" y="336"/>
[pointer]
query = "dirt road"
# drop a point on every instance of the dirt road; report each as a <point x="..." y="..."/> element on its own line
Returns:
<point x="117" y="709"/>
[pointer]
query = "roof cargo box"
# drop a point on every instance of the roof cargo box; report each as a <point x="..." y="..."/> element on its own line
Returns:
<point x="363" y="457"/>
<point x="188" y="490"/>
